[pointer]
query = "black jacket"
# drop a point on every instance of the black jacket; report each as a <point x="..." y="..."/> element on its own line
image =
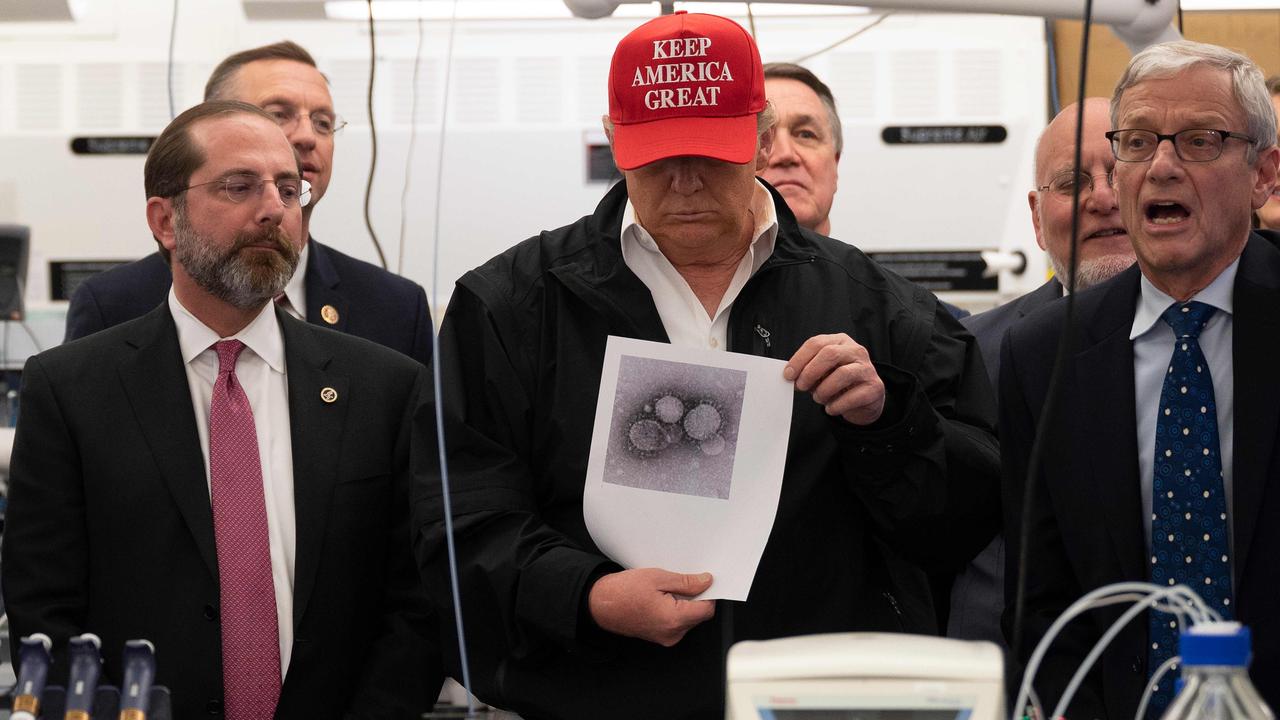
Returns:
<point x="522" y="349"/>
<point x="109" y="528"/>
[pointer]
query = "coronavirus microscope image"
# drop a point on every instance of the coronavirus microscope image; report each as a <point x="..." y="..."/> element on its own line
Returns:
<point x="674" y="427"/>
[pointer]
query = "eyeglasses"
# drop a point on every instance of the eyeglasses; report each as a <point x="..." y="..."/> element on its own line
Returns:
<point x="287" y="117"/>
<point x="293" y="192"/>
<point x="1193" y="145"/>
<point x="1064" y="184"/>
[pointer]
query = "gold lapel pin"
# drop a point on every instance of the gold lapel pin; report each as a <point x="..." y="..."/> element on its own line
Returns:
<point x="329" y="395"/>
<point x="329" y="314"/>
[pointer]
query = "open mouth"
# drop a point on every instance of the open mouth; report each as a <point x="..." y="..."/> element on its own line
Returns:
<point x="1166" y="213"/>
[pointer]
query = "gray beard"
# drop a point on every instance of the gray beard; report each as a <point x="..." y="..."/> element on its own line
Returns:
<point x="1092" y="272"/>
<point x="241" y="280"/>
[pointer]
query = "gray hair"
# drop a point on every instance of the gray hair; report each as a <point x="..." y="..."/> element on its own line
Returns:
<point x="1166" y="60"/>
<point x="801" y="74"/>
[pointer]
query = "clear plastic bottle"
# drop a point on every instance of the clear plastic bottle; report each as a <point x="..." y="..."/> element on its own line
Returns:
<point x="1215" y="677"/>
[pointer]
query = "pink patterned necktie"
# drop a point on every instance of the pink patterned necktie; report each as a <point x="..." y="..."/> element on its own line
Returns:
<point x="250" y="635"/>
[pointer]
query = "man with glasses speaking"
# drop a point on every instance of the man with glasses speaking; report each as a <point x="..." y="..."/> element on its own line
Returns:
<point x="330" y="289"/>
<point x="219" y="477"/>
<point x="1160" y="459"/>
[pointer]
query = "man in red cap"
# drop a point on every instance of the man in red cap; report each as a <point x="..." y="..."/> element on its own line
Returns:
<point x="891" y="435"/>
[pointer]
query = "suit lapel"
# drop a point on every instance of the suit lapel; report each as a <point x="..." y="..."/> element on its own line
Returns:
<point x="155" y="381"/>
<point x="1104" y="381"/>
<point x="323" y="289"/>
<point x="1041" y="296"/>
<point x="316" y="421"/>
<point x="1255" y="347"/>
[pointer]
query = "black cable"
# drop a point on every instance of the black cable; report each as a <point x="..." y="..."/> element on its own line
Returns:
<point x="373" y="139"/>
<point x="173" y="33"/>
<point x="1060" y="362"/>
<point x="1180" y="19"/>
<point x="1051" y="38"/>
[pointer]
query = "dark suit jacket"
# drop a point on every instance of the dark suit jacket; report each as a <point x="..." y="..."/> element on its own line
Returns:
<point x="371" y="302"/>
<point x="109" y="528"/>
<point x="990" y="326"/>
<point x="1086" y="513"/>
<point x="977" y="598"/>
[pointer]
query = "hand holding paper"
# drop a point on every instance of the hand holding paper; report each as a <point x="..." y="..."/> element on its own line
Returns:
<point x="838" y="373"/>
<point x="650" y="604"/>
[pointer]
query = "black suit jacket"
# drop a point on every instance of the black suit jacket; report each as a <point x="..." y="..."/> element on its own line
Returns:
<point x="990" y="327"/>
<point x="371" y="302"/>
<point x="1086" y="515"/>
<point x="109" y="528"/>
<point x="977" y="597"/>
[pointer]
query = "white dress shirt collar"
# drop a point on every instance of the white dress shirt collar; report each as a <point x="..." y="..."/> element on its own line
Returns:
<point x="262" y="335"/>
<point x="1152" y="302"/>
<point x="296" y="290"/>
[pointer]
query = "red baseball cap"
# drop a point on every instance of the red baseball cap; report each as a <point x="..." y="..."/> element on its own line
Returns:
<point x="685" y="84"/>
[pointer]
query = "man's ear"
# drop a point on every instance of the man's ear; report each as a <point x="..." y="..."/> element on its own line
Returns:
<point x="1268" y="173"/>
<point x="766" y="146"/>
<point x="607" y="124"/>
<point x="1033" y="200"/>
<point x="160" y="220"/>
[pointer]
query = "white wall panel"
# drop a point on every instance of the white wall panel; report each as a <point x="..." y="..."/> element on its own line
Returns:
<point x="523" y="96"/>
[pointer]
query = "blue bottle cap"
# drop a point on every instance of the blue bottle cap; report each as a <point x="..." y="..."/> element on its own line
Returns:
<point x="1215" y="643"/>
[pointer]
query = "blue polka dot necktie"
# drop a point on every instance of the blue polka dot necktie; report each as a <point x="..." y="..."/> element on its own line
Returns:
<point x="1188" y="503"/>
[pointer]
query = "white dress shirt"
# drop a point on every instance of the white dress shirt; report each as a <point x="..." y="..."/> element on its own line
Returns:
<point x="682" y="313"/>
<point x="261" y="372"/>
<point x="1153" y="346"/>
<point x="296" y="291"/>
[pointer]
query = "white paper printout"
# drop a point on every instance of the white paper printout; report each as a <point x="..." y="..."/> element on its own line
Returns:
<point x="686" y="463"/>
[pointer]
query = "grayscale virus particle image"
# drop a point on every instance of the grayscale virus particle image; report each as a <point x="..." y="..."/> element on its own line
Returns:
<point x="674" y="427"/>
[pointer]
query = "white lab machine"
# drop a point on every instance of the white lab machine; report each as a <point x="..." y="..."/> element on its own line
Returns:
<point x="865" y="676"/>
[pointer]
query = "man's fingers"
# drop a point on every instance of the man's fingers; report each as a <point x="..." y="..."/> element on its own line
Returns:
<point x="684" y="616"/>
<point x="861" y="405"/>
<point x="802" y="357"/>
<point x="828" y="358"/>
<point x="841" y="379"/>
<point x="693" y="612"/>
<point x="684" y="585"/>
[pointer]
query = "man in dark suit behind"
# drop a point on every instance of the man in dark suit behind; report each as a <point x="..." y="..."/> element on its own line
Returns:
<point x="977" y="598"/>
<point x="219" y="477"/>
<point x="1154" y="471"/>
<point x="804" y="162"/>
<point x="330" y="288"/>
